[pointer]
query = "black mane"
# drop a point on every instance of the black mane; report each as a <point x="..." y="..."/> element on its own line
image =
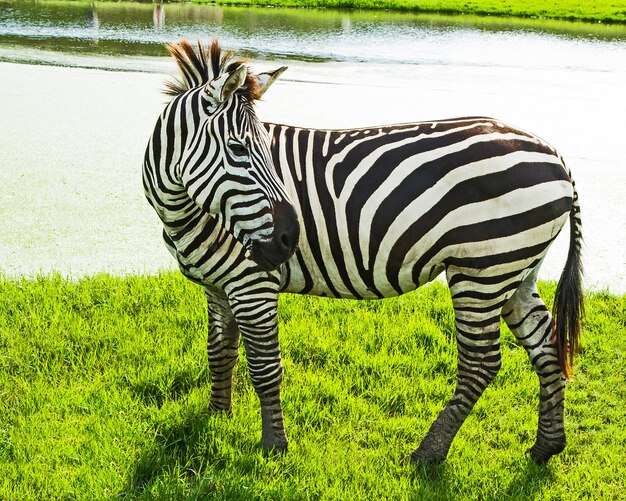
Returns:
<point x="200" y="66"/>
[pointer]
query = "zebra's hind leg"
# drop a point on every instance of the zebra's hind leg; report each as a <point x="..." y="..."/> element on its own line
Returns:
<point x="528" y="318"/>
<point x="478" y="344"/>
<point x="222" y="348"/>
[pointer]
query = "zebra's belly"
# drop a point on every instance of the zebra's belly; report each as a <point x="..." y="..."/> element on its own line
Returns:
<point x="331" y="277"/>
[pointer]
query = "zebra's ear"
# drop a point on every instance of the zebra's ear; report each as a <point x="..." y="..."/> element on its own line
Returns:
<point x="268" y="78"/>
<point x="221" y="88"/>
<point x="236" y="79"/>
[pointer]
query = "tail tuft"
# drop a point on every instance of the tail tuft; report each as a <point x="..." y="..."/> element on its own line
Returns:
<point x="569" y="302"/>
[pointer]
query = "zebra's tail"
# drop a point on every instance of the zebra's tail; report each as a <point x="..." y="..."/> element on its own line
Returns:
<point x="569" y="306"/>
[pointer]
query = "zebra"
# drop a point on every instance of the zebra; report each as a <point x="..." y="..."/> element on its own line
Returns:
<point x="250" y="210"/>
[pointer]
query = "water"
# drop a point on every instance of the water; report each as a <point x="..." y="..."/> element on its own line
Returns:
<point x="72" y="137"/>
<point x="122" y="28"/>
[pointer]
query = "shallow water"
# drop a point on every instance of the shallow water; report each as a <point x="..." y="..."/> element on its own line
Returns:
<point x="72" y="139"/>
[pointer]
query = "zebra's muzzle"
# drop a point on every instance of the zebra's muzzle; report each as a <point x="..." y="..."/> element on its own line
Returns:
<point x="271" y="253"/>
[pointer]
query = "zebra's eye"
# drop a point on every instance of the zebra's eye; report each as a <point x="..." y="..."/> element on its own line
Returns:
<point x="237" y="149"/>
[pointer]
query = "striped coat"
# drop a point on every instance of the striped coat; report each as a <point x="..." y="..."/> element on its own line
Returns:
<point x="386" y="209"/>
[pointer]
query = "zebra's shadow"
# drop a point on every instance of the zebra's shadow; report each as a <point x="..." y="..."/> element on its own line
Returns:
<point x="174" y="455"/>
<point x="530" y="478"/>
<point x="187" y="458"/>
<point x="192" y="454"/>
<point x="438" y="482"/>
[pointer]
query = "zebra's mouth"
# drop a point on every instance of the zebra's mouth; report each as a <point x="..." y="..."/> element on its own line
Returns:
<point x="270" y="254"/>
<point x="266" y="263"/>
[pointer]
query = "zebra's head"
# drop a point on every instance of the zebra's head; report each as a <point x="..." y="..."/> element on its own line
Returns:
<point x="224" y="159"/>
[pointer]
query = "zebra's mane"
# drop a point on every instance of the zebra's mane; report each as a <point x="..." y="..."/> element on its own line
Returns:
<point x="199" y="66"/>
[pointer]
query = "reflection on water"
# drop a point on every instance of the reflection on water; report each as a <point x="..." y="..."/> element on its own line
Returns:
<point x="125" y="28"/>
<point x="158" y="16"/>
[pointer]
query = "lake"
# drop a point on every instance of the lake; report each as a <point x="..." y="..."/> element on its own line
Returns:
<point x="72" y="135"/>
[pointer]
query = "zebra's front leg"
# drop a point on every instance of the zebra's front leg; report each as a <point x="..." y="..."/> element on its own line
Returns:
<point x="478" y="339"/>
<point x="222" y="348"/>
<point x="257" y="317"/>
<point x="531" y="322"/>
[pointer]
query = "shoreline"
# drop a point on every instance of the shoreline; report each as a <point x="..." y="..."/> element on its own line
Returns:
<point x="173" y="273"/>
<point x="165" y="272"/>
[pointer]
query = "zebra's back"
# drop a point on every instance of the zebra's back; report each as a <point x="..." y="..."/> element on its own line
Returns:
<point x="385" y="209"/>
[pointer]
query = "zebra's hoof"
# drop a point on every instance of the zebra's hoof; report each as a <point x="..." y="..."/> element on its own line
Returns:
<point x="273" y="449"/>
<point x="423" y="458"/>
<point x="542" y="453"/>
<point x="214" y="410"/>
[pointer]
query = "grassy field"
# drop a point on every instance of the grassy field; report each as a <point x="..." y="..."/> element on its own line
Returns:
<point x="597" y="10"/>
<point x="104" y="386"/>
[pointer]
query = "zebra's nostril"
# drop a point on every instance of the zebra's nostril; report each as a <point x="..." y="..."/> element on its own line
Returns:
<point x="285" y="240"/>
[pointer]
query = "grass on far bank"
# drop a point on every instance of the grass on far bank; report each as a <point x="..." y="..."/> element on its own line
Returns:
<point x="607" y="11"/>
<point x="584" y="10"/>
<point x="104" y="388"/>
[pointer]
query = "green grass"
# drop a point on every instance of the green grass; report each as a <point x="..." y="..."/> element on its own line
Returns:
<point x="586" y="10"/>
<point x="104" y="388"/>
